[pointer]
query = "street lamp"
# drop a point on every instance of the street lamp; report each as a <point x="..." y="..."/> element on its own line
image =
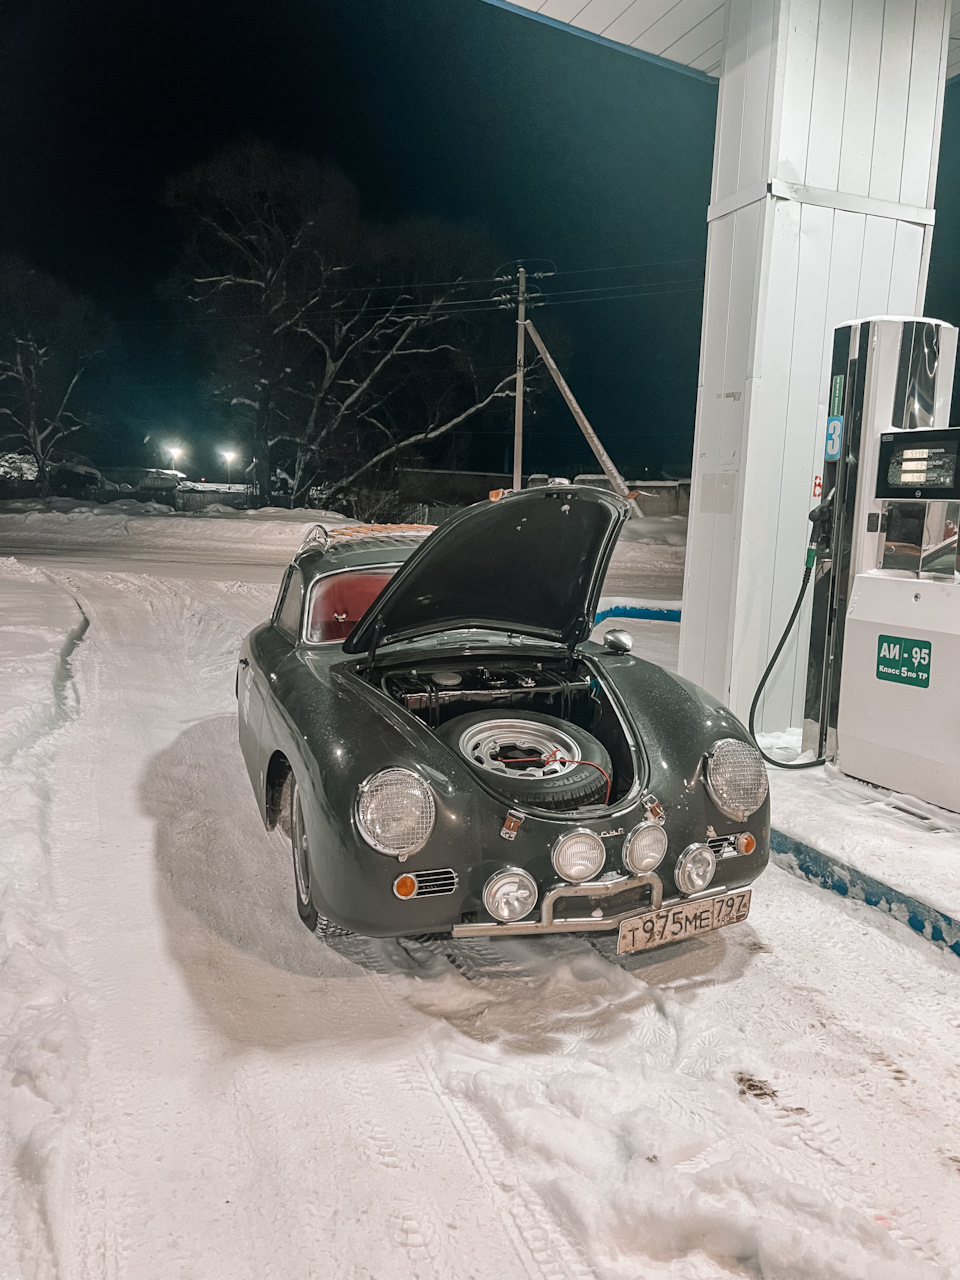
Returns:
<point x="175" y="452"/>
<point x="229" y="456"/>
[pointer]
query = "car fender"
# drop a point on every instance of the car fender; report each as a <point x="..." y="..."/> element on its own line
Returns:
<point x="336" y="731"/>
<point x="679" y="722"/>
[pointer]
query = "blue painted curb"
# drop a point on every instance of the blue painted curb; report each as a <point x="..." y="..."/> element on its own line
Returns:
<point x="638" y="611"/>
<point x="840" y="877"/>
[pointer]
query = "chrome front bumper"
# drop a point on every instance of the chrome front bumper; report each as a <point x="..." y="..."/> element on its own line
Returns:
<point x="573" y="924"/>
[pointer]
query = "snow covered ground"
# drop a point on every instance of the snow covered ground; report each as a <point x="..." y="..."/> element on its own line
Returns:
<point x="195" y="1087"/>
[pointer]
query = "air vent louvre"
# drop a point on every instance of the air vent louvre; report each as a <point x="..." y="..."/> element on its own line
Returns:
<point x="430" y="883"/>
<point x="723" y="846"/>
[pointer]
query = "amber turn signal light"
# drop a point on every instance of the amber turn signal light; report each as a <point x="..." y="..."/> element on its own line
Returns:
<point x="405" y="886"/>
<point x="746" y="843"/>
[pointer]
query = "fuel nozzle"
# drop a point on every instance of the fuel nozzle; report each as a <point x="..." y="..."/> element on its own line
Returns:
<point x="821" y="520"/>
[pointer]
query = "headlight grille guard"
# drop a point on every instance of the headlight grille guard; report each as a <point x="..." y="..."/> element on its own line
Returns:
<point x="739" y="813"/>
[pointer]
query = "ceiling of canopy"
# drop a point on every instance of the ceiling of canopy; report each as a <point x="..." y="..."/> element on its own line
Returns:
<point x="689" y="32"/>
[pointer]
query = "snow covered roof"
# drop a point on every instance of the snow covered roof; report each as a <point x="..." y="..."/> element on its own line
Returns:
<point x="208" y="486"/>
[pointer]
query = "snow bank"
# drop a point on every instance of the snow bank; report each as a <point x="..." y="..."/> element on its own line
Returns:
<point x="133" y="530"/>
<point x="40" y="1051"/>
<point x="898" y="840"/>
<point x="39" y="623"/>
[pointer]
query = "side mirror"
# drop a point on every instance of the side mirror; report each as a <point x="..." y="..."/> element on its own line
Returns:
<point x="618" y="641"/>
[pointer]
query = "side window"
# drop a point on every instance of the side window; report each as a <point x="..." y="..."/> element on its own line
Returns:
<point x="288" y="614"/>
<point x="281" y="593"/>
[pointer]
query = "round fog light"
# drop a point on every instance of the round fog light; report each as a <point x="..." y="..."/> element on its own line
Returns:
<point x="644" y="848"/>
<point x="510" y="895"/>
<point x="695" y="868"/>
<point x="578" y="856"/>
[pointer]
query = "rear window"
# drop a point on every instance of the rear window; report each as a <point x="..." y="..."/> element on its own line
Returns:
<point x="338" y="602"/>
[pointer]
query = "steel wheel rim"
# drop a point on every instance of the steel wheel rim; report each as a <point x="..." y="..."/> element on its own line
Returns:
<point x="301" y="865"/>
<point x="483" y="744"/>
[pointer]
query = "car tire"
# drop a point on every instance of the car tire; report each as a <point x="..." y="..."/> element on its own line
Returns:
<point x="301" y="861"/>
<point x="583" y="781"/>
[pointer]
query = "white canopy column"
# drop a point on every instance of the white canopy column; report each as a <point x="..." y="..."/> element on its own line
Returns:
<point x="825" y="165"/>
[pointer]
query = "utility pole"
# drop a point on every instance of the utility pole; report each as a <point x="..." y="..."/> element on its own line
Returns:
<point x="617" y="482"/>
<point x="518" y="407"/>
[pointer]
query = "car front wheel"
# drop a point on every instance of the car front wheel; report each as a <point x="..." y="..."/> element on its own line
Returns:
<point x="301" y="861"/>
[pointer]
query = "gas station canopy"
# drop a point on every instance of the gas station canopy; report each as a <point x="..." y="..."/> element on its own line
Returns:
<point x="688" y="32"/>
<point x="821" y="213"/>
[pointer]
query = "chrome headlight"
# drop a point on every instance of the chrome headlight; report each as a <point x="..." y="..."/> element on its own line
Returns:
<point x="736" y="778"/>
<point x="644" y="848"/>
<point x="695" y="868"/>
<point x="578" y="856"/>
<point x="510" y="895"/>
<point x="396" y="812"/>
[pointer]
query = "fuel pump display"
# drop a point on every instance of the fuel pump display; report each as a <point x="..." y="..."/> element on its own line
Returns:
<point x="915" y="468"/>
<point x="882" y="699"/>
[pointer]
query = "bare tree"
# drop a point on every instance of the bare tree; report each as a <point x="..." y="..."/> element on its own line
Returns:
<point x="48" y="338"/>
<point x="345" y="341"/>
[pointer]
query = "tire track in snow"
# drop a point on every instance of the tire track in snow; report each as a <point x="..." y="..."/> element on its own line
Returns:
<point x="784" y="1158"/>
<point x="162" y="660"/>
<point x="40" y="1048"/>
<point x="539" y="1238"/>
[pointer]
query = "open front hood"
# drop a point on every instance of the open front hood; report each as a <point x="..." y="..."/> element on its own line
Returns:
<point x="531" y="563"/>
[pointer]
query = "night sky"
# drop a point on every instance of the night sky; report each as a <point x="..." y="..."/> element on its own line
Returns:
<point x="563" y="148"/>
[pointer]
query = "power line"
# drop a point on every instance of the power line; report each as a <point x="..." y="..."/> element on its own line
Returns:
<point x="466" y="306"/>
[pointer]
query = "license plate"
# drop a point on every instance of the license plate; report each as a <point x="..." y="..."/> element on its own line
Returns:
<point x="687" y="920"/>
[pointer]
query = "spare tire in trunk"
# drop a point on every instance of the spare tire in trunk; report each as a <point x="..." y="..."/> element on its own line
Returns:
<point x="532" y="758"/>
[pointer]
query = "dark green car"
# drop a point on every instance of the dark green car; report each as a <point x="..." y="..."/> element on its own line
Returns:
<point x="426" y="718"/>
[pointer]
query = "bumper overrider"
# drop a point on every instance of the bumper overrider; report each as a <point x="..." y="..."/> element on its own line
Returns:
<point x="574" y="908"/>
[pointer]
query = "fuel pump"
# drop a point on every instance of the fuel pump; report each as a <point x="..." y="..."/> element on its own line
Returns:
<point x="882" y="694"/>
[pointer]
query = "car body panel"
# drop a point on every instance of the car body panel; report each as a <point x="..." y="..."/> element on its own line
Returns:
<point x="323" y="717"/>
<point x="484" y="568"/>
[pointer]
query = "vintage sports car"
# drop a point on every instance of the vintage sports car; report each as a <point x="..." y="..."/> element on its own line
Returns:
<point x="425" y="717"/>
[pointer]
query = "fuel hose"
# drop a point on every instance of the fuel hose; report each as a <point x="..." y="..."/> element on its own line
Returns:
<point x="783" y="764"/>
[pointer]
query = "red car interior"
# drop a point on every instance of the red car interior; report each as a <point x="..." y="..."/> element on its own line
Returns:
<point x="340" y="601"/>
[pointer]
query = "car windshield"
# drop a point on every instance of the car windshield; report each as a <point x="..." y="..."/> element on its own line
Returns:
<point x="339" y="600"/>
<point x="941" y="559"/>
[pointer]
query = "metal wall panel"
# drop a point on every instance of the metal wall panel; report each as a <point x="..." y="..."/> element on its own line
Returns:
<point x="733" y="256"/>
<point x="893" y="95"/>
<point x="923" y="105"/>
<point x="798" y="69"/>
<point x="859" y="116"/>
<point x="829" y="93"/>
